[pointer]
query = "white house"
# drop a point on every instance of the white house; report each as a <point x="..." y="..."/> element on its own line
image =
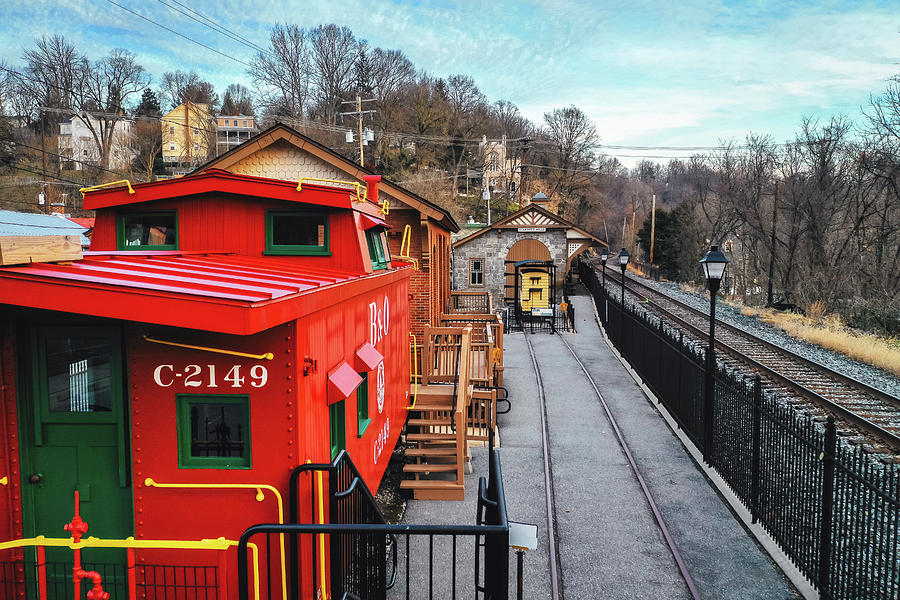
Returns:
<point x="78" y="147"/>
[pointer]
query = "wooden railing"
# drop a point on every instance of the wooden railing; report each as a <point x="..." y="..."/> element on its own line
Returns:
<point x="463" y="397"/>
<point x="470" y="302"/>
<point x="484" y="327"/>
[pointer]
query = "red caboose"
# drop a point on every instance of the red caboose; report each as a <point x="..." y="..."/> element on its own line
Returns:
<point x="223" y="330"/>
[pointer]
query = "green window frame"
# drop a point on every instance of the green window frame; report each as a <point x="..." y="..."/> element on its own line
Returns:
<point x="337" y="423"/>
<point x="377" y="253"/>
<point x="187" y="458"/>
<point x="274" y="245"/>
<point x="126" y="220"/>
<point x="362" y="405"/>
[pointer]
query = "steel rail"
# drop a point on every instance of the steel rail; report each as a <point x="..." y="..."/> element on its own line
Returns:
<point x="552" y="532"/>
<point x="856" y="383"/>
<point x="845" y="413"/>
<point x="657" y="514"/>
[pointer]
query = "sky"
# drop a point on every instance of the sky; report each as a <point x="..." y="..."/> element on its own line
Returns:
<point x="648" y="73"/>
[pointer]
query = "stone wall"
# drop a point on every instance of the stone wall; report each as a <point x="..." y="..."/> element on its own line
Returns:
<point x="494" y="246"/>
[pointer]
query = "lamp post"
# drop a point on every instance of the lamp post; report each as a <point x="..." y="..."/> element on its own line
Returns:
<point x="623" y="262"/>
<point x="604" y="256"/>
<point x="714" y="263"/>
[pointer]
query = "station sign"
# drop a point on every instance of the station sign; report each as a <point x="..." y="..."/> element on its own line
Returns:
<point x="531" y="229"/>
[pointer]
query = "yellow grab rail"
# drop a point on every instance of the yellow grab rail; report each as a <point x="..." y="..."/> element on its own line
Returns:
<point x="405" y="244"/>
<point x="414" y="370"/>
<point x="259" y="487"/>
<point x="321" y="535"/>
<point x="266" y="356"/>
<point x="106" y="185"/>
<point x="385" y="207"/>
<point x="360" y="188"/>
<point x="4" y="480"/>
<point x="129" y="542"/>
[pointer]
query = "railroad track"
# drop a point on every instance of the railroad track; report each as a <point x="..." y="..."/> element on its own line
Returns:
<point x="865" y="413"/>
<point x="556" y="587"/>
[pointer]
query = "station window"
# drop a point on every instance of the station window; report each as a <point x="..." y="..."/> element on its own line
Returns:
<point x="148" y="231"/>
<point x="362" y="405"/>
<point x="213" y="431"/>
<point x="338" y="428"/>
<point x="476" y="271"/>
<point x="377" y="252"/>
<point x="172" y="130"/>
<point x="296" y="232"/>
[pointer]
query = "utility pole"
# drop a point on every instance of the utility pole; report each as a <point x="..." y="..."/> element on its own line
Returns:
<point x="769" y="297"/>
<point x="187" y="132"/>
<point x="45" y="191"/>
<point x="652" y="227"/>
<point x="358" y="113"/>
<point x="522" y="169"/>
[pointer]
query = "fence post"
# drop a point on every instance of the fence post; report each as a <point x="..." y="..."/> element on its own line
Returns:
<point x="709" y="402"/>
<point x="828" y="455"/>
<point x="756" y="450"/>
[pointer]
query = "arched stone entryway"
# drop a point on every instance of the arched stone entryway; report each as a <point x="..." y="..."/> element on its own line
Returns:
<point x="525" y="249"/>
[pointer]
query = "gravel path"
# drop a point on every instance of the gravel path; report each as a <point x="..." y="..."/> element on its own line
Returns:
<point x="852" y="368"/>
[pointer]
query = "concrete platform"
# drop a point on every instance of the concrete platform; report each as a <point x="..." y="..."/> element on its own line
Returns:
<point x="610" y="545"/>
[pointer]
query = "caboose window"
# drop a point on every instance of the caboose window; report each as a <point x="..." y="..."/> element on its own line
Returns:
<point x="380" y="258"/>
<point x="148" y="231"/>
<point x="296" y="232"/>
<point x="213" y="431"/>
<point x="362" y="405"/>
<point x="476" y="271"/>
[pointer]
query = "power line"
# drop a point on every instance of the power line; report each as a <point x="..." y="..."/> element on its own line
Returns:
<point x="169" y="29"/>
<point x="211" y="24"/>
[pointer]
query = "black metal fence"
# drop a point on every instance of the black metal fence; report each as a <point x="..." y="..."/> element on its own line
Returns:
<point x="361" y="555"/>
<point x="831" y="506"/>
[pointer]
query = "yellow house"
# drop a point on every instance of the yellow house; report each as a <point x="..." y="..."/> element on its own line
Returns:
<point x="188" y="133"/>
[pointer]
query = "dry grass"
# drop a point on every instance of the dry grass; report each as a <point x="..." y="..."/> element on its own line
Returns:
<point x="829" y="332"/>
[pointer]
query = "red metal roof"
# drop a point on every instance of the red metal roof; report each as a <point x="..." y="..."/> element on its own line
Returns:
<point x="367" y="357"/>
<point x="216" y="180"/>
<point x="214" y="292"/>
<point x="342" y="381"/>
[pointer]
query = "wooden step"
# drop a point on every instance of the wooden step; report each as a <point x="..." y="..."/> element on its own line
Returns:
<point x="429" y="467"/>
<point x="431" y="451"/>
<point x="430" y="406"/>
<point x="427" y="422"/>
<point x="430" y="437"/>
<point x="434" y="489"/>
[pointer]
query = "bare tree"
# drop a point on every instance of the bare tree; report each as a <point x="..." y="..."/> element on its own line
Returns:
<point x="333" y="54"/>
<point x="573" y="139"/>
<point x="282" y="74"/>
<point x="237" y="100"/>
<point x="179" y="87"/>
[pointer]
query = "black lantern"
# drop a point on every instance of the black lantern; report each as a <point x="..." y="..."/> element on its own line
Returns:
<point x="714" y="264"/>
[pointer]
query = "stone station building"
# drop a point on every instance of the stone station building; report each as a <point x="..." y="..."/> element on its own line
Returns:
<point x="483" y="260"/>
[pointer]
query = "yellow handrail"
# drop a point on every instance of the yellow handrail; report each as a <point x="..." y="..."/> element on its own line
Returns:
<point x="405" y="243"/>
<point x="266" y="356"/>
<point x="360" y="188"/>
<point x="4" y="480"/>
<point x="129" y="542"/>
<point x="106" y="185"/>
<point x="385" y="207"/>
<point x="415" y="371"/>
<point x="259" y="487"/>
<point x="321" y="535"/>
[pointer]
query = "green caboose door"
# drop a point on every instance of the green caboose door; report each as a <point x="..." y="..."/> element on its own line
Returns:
<point x="73" y="428"/>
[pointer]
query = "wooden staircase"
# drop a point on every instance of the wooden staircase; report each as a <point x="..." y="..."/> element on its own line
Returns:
<point x="437" y="421"/>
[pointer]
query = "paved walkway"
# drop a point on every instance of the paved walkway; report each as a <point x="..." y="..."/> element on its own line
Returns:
<point x="610" y="546"/>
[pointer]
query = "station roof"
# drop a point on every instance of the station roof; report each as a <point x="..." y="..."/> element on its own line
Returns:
<point x="225" y="293"/>
<point x="280" y="131"/>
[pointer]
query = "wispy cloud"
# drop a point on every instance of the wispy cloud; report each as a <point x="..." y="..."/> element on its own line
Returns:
<point x="648" y="72"/>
